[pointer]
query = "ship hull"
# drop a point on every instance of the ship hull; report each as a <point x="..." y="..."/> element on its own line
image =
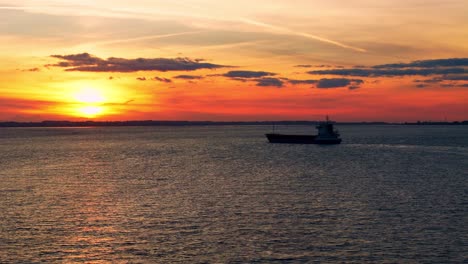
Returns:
<point x="301" y="139"/>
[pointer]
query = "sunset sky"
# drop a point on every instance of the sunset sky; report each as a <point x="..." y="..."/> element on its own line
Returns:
<point x="354" y="60"/>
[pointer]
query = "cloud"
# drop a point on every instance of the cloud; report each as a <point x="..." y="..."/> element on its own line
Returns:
<point x="324" y="66"/>
<point x="463" y="85"/>
<point x="262" y="78"/>
<point x="337" y="83"/>
<point x="448" y="67"/>
<point x="247" y="74"/>
<point x="303" y="66"/>
<point x="166" y="80"/>
<point x="141" y="78"/>
<point x="322" y="83"/>
<point x="188" y="77"/>
<point x="389" y="72"/>
<point x="433" y="80"/>
<point x="452" y="62"/>
<point x="20" y="104"/>
<point x="270" y="82"/>
<point x="77" y="60"/>
<point x="456" y="77"/>
<point x="448" y="85"/>
<point x="89" y="63"/>
<point x="32" y="70"/>
<point x="444" y="80"/>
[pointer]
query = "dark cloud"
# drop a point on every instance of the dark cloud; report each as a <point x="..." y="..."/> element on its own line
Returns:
<point x="32" y="70"/>
<point x="303" y="66"/>
<point x="452" y="62"/>
<point x="389" y="72"/>
<point x="90" y="63"/>
<point x="247" y="74"/>
<point x="448" y="85"/>
<point x="446" y="81"/>
<point x="322" y="83"/>
<point x="456" y="77"/>
<point x="463" y="85"/>
<point x="433" y="80"/>
<point x="421" y="85"/>
<point x="354" y="87"/>
<point x="337" y="83"/>
<point x="275" y="82"/>
<point x="141" y="78"/>
<point x="188" y="77"/>
<point x="77" y="60"/>
<point x="166" y="80"/>
<point x="449" y="67"/>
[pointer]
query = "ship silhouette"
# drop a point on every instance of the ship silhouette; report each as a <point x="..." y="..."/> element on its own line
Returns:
<point x="326" y="135"/>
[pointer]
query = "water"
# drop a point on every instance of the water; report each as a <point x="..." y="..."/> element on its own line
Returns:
<point x="388" y="194"/>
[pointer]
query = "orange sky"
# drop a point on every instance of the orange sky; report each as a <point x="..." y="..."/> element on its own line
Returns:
<point x="356" y="60"/>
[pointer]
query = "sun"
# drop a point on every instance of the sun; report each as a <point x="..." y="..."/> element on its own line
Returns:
<point x="90" y="102"/>
<point x="90" y="111"/>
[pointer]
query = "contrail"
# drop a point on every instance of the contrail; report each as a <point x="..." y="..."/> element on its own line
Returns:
<point x="302" y="34"/>
<point x="12" y="7"/>
<point x="107" y="42"/>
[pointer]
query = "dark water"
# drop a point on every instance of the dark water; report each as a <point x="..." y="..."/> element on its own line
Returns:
<point x="388" y="194"/>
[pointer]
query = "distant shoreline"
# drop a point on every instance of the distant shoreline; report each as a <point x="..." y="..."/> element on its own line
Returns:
<point x="201" y="123"/>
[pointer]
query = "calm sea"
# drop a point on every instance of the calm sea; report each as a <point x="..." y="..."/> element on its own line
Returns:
<point x="388" y="194"/>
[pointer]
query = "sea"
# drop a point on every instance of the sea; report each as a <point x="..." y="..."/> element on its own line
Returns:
<point x="223" y="194"/>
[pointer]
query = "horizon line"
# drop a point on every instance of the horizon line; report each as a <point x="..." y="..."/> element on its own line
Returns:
<point x="68" y="123"/>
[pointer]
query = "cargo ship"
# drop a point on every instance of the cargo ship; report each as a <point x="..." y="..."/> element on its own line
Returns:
<point x="326" y="135"/>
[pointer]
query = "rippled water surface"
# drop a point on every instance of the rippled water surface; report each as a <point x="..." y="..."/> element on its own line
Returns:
<point x="388" y="194"/>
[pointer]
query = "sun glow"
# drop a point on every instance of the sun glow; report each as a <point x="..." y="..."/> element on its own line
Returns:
<point x="90" y="102"/>
<point x="90" y="111"/>
<point x="89" y="95"/>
